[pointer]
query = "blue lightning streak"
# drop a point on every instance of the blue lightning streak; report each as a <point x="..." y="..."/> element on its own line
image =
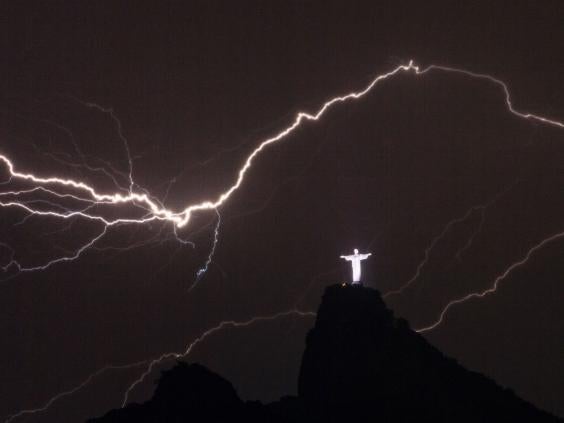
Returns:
<point x="202" y="271"/>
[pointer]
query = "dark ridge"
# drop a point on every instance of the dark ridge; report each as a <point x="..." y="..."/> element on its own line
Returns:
<point x="362" y="361"/>
<point x="359" y="362"/>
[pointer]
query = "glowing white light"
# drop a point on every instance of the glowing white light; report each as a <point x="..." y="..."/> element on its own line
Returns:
<point x="180" y="218"/>
<point x="355" y="260"/>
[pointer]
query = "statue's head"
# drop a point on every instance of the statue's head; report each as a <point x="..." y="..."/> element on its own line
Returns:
<point x="355" y="251"/>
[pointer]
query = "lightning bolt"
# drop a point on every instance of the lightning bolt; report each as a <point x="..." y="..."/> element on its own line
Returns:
<point x="119" y="126"/>
<point x="106" y="168"/>
<point x="74" y="256"/>
<point x="478" y="208"/>
<point x="428" y="250"/>
<point x="470" y="241"/>
<point x="190" y="347"/>
<point x="71" y="391"/>
<point x="202" y="271"/>
<point x="493" y="288"/>
<point x="151" y="363"/>
<point x="151" y="210"/>
<point x="505" y="88"/>
<point x="154" y="210"/>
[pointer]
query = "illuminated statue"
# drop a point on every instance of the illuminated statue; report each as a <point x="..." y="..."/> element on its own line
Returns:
<point x="355" y="261"/>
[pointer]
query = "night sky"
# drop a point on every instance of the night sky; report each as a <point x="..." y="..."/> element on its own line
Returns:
<point x="196" y="86"/>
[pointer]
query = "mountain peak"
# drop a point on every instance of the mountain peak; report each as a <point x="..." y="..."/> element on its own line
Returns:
<point x="359" y="362"/>
<point x="355" y="304"/>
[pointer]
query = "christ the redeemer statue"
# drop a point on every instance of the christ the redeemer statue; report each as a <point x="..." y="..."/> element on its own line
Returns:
<point x="355" y="261"/>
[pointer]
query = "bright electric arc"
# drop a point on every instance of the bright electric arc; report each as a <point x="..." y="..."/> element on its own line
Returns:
<point x="182" y="217"/>
<point x="154" y="210"/>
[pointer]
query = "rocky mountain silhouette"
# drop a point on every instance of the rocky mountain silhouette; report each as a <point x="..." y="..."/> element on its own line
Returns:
<point x="360" y="362"/>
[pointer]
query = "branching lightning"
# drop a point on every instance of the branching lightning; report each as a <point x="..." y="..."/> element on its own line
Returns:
<point x="151" y="363"/>
<point x="57" y="197"/>
<point x="153" y="209"/>
<point x="73" y="256"/>
<point x="71" y="391"/>
<point x="496" y="281"/>
<point x="481" y="208"/>
<point x="202" y="271"/>
<point x="190" y="347"/>
<point x="110" y="112"/>
<point x="428" y="250"/>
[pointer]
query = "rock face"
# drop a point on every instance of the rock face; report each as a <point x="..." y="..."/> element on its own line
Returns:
<point x="359" y="362"/>
<point x="185" y="390"/>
